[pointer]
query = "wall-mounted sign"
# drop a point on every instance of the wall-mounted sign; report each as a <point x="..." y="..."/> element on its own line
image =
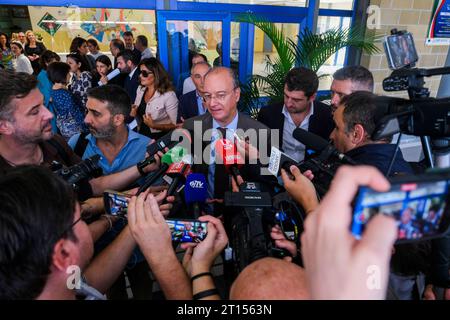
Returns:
<point x="439" y="28"/>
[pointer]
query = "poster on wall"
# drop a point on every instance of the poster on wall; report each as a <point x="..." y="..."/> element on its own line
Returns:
<point x="59" y="25"/>
<point x="439" y="27"/>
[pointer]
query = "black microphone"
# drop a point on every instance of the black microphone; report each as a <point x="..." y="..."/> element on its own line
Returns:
<point x="169" y="140"/>
<point x="320" y="145"/>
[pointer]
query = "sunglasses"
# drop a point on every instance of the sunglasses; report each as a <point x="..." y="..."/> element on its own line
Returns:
<point x="145" y="74"/>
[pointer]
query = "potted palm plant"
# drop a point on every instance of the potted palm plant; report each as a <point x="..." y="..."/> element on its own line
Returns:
<point x="311" y="50"/>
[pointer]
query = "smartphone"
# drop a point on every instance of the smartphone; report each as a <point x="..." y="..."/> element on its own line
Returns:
<point x="419" y="204"/>
<point x="400" y="50"/>
<point x="116" y="203"/>
<point x="187" y="230"/>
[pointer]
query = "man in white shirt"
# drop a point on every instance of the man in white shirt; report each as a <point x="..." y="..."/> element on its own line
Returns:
<point x="300" y="110"/>
<point x="142" y="45"/>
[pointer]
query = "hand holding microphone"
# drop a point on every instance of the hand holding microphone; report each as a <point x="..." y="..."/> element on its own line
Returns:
<point x="301" y="188"/>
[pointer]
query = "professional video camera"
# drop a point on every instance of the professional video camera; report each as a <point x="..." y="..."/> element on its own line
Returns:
<point x="421" y="115"/>
<point x="248" y="239"/>
<point x="84" y="170"/>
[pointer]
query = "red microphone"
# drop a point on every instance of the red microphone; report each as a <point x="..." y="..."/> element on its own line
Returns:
<point x="178" y="172"/>
<point x="227" y="152"/>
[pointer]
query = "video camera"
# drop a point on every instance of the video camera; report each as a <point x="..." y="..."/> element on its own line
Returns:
<point x="421" y="115"/>
<point x="84" y="170"/>
<point x="248" y="236"/>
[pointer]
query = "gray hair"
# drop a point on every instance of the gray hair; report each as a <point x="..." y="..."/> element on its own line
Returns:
<point x="361" y="78"/>
<point x="230" y="72"/>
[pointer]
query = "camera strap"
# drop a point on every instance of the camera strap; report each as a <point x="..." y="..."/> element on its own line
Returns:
<point x="81" y="144"/>
<point x="61" y="151"/>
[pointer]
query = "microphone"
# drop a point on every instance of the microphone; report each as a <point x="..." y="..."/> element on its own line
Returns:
<point x="231" y="158"/>
<point x="165" y="141"/>
<point x="279" y="160"/>
<point x="168" y="158"/>
<point x="195" y="191"/>
<point x="178" y="172"/>
<point x="111" y="75"/>
<point x="320" y="145"/>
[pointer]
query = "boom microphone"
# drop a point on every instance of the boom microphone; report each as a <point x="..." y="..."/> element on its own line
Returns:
<point x="320" y="145"/>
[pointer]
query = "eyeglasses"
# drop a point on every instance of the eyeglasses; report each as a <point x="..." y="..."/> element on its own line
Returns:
<point x="66" y="231"/>
<point x="145" y="74"/>
<point x="220" y="96"/>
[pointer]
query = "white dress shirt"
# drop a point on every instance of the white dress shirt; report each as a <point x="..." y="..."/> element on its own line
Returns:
<point x="290" y="145"/>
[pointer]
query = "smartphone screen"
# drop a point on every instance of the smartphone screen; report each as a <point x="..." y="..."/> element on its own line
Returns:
<point x="187" y="230"/>
<point x="116" y="203"/>
<point x="420" y="209"/>
<point x="400" y="50"/>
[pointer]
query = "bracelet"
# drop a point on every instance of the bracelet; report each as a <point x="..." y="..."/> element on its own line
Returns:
<point x="201" y="275"/>
<point x="206" y="293"/>
<point x="108" y="218"/>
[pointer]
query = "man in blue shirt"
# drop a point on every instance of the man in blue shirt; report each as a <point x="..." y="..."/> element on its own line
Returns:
<point x="109" y="137"/>
<point x="107" y="107"/>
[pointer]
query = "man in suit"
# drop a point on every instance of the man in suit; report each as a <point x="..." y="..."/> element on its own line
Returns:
<point x="191" y="103"/>
<point x="300" y="110"/>
<point x="221" y="95"/>
<point x="142" y="45"/>
<point x="128" y="63"/>
<point x="129" y="44"/>
<point x="116" y="46"/>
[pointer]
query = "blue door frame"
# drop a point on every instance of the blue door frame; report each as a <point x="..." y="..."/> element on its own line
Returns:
<point x="163" y="16"/>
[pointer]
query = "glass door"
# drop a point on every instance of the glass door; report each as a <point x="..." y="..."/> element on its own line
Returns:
<point x="183" y="34"/>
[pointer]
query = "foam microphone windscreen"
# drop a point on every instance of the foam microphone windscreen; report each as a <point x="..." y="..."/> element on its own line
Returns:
<point x="227" y="153"/>
<point x="195" y="188"/>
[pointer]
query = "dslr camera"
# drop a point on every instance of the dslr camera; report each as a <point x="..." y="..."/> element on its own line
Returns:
<point x="74" y="175"/>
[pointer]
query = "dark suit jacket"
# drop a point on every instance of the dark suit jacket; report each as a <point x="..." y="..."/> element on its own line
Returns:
<point x="137" y="54"/>
<point x="131" y="85"/>
<point x="250" y="172"/>
<point x="320" y="123"/>
<point x="188" y="107"/>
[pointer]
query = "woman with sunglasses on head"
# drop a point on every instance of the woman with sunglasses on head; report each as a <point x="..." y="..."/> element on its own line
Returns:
<point x="156" y="104"/>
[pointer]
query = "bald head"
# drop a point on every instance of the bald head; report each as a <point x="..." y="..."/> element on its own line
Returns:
<point x="198" y="72"/>
<point x="221" y="94"/>
<point x="225" y="73"/>
<point x="270" y="279"/>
